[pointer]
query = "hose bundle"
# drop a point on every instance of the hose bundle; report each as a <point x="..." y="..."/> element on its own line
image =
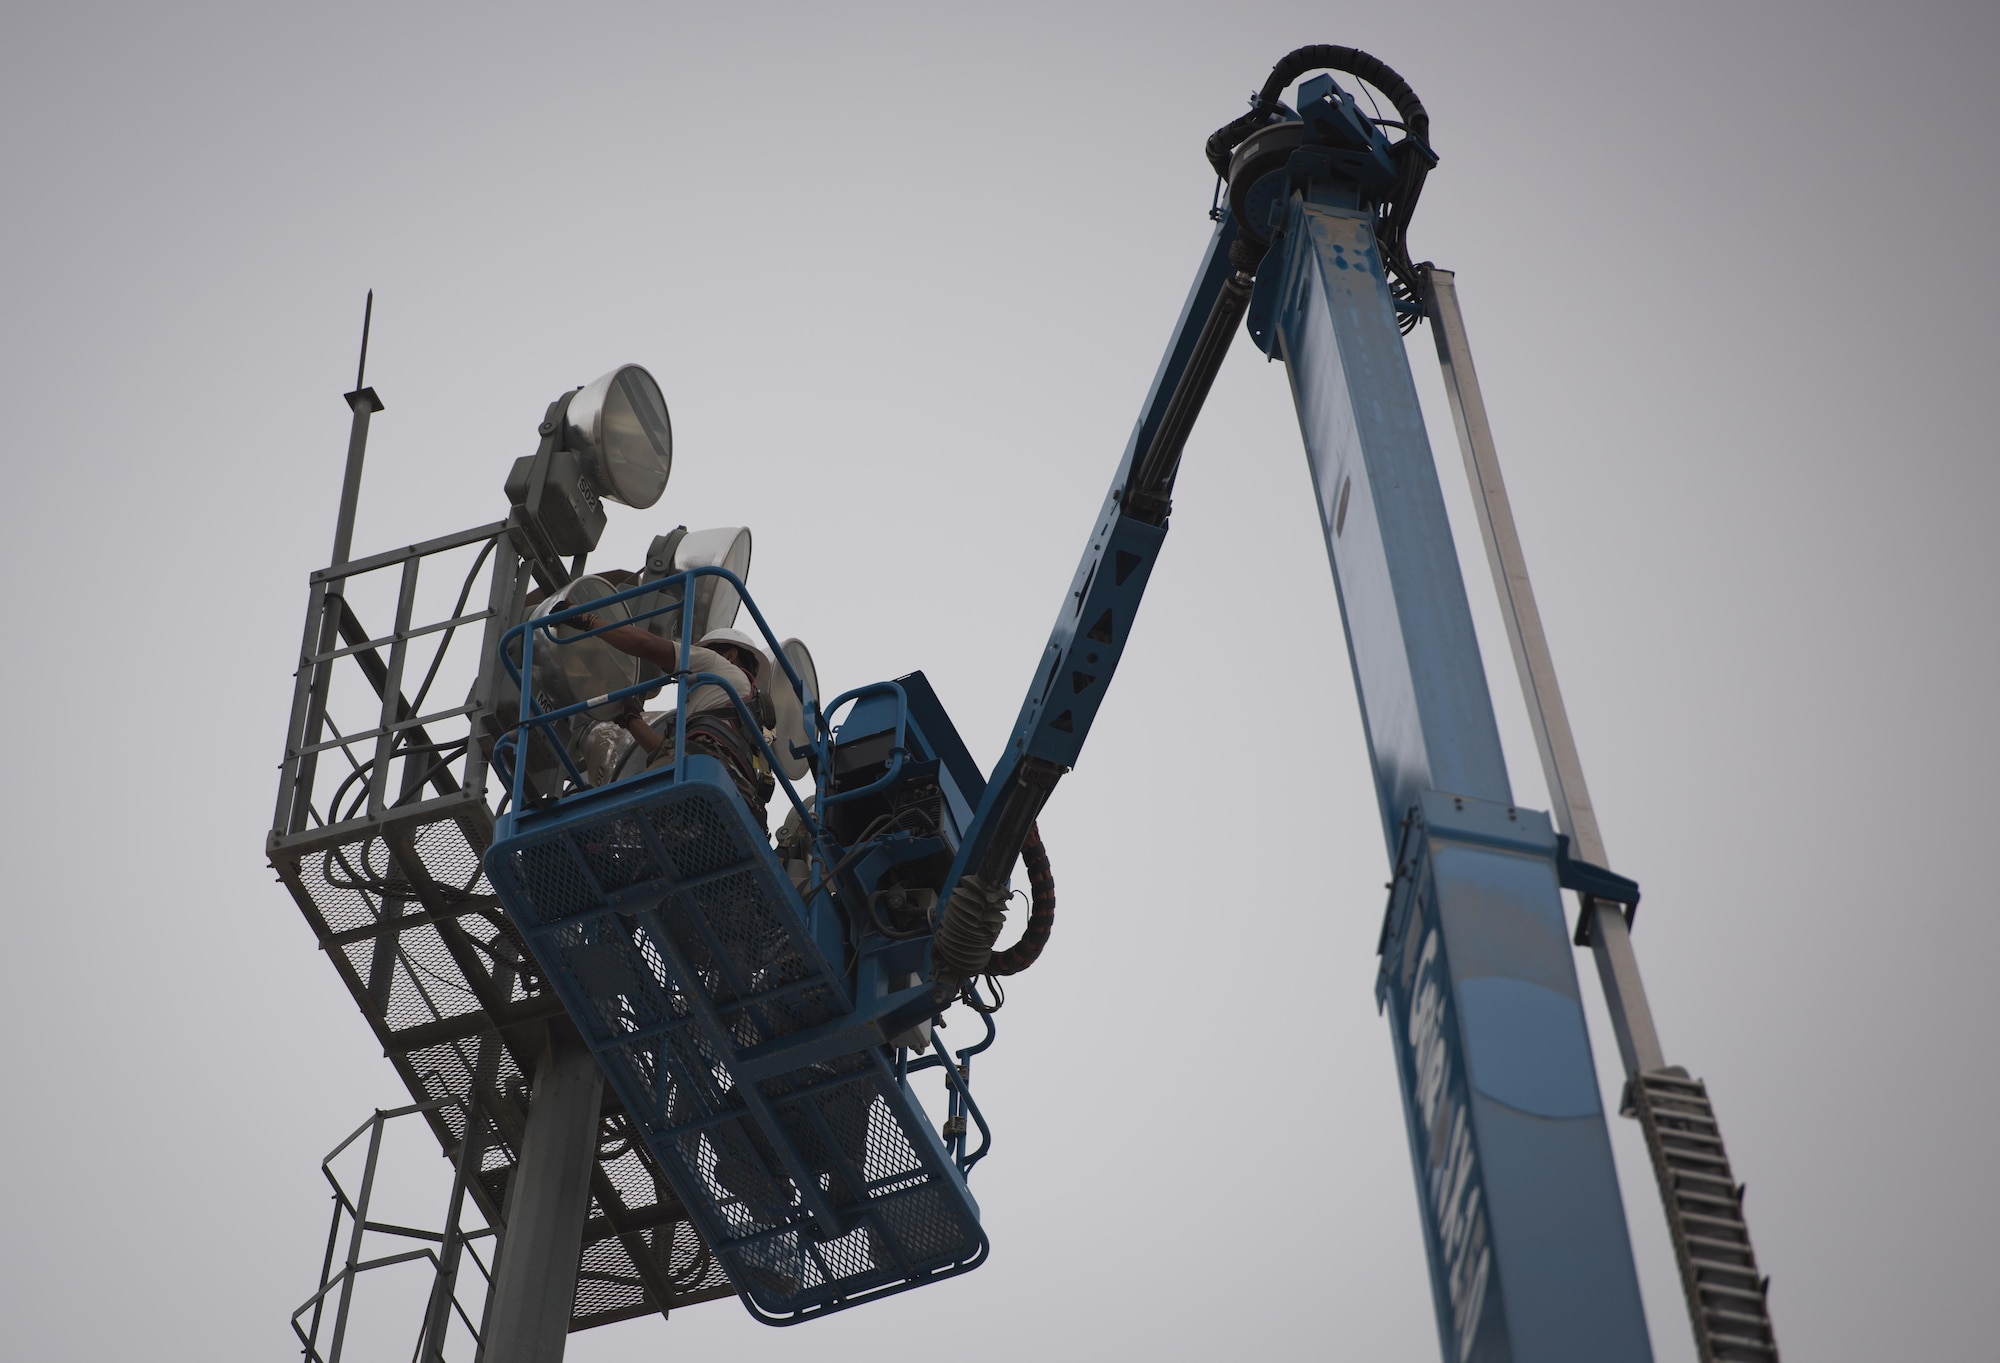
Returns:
<point x="977" y="911"/>
<point x="1412" y="155"/>
<point x="967" y="930"/>
<point x="1041" y="910"/>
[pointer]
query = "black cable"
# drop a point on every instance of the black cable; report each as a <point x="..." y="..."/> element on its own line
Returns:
<point x="365" y="881"/>
<point x="969" y="995"/>
<point x="1041" y="911"/>
<point x="333" y="805"/>
<point x="1412" y="155"/>
<point x="880" y="830"/>
<point x="464" y="594"/>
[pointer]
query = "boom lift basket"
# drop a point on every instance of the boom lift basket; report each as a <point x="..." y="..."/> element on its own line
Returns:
<point x="684" y="953"/>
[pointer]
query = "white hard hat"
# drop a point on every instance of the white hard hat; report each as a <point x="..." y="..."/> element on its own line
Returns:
<point x="743" y="641"/>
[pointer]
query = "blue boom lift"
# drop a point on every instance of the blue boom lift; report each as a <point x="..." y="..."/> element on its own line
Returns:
<point x="763" y="1015"/>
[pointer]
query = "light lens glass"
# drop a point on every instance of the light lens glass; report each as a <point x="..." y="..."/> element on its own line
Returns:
<point x="619" y="425"/>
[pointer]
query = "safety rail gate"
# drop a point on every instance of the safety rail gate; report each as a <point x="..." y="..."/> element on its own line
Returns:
<point x="701" y="978"/>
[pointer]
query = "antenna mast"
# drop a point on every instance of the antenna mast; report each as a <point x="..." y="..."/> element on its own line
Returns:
<point x="364" y="404"/>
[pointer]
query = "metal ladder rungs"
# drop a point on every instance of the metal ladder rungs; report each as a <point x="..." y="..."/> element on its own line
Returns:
<point x="1718" y="1289"/>
<point x="1726" y="1199"/>
<point x="1725" y="1292"/>
<point x="1717" y="1160"/>
<point x="1717" y="1221"/>
<point x="1683" y="1134"/>
<point x="1727" y="1184"/>
<point x="1663" y="1079"/>
<point x="1705" y="1248"/>
<point x="1738" y="1318"/>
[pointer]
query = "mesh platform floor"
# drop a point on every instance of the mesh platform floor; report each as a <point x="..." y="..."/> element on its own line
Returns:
<point x="402" y="908"/>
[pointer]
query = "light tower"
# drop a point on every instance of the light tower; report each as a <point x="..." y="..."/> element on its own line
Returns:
<point x="384" y="809"/>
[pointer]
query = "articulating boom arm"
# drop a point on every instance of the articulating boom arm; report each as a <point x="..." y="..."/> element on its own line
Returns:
<point x="1096" y="617"/>
<point x="1090" y="630"/>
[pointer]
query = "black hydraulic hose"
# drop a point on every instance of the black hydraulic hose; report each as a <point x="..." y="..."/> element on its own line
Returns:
<point x="1355" y="62"/>
<point x="1041" y="911"/>
<point x="1146" y="497"/>
<point x="962" y="948"/>
<point x="1413" y="155"/>
<point x="1296" y="63"/>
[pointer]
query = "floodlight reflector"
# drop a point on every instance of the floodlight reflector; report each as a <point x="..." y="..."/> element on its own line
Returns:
<point x="618" y="425"/>
<point x="791" y="726"/>
<point x="715" y="601"/>
<point x="590" y="667"/>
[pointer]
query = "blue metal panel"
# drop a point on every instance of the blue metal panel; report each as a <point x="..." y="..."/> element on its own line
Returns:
<point x="1523" y="1223"/>
<point x="1423" y="691"/>
<point x="1530" y="1255"/>
<point x="1089" y="637"/>
<point x="935" y="737"/>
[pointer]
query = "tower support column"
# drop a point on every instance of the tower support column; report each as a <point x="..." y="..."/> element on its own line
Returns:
<point x="548" y="1201"/>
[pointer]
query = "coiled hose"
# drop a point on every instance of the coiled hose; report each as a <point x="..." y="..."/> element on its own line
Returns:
<point x="1041" y="910"/>
<point x="1412" y="155"/>
<point x="977" y="911"/>
<point x="1296" y="63"/>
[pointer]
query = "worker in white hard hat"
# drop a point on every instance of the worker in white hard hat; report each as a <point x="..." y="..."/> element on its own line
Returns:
<point x="714" y="725"/>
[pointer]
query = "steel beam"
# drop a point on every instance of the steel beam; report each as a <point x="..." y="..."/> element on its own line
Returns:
<point x="1525" y="1229"/>
<point x="1423" y="693"/>
<point x="444" y="1291"/>
<point x="354" y="1266"/>
<point x="364" y="404"/>
<point x="548" y="1201"/>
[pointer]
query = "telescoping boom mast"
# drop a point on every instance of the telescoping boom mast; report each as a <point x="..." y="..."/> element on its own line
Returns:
<point x="1528" y="1247"/>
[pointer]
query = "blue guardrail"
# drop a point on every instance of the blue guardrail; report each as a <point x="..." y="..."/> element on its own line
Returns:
<point x="665" y="923"/>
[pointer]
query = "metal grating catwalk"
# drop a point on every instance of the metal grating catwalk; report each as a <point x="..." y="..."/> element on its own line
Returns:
<point x="403" y="910"/>
<point x="380" y="846"/>
<point x="671" y="931"/>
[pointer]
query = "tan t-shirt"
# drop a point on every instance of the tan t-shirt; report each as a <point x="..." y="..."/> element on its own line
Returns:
<point x="710" y="696"/>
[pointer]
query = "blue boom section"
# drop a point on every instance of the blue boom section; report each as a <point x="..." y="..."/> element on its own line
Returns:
<point x="1074" y="672"/>
<point x="1526" y="1235"/>
<point x="1424" y="700"/>
<point x="1529" y="1252"/>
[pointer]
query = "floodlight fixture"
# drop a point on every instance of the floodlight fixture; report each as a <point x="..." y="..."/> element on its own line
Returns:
<point x="715" y="601"/>
<point x="577" y="671"/>
<point x="792" y="736"/>
<point x="608" y="440"/>
<point x="618" y="425"/>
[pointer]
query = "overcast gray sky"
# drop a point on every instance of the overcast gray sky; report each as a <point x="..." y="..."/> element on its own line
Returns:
<point x="904" y="273"/>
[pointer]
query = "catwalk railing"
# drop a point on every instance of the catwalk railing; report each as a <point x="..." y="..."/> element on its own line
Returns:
<point x="384" y="810"/>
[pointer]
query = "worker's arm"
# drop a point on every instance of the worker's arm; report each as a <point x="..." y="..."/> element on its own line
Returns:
<point x="649" y="739"/>
<point x="639" y="643"/>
